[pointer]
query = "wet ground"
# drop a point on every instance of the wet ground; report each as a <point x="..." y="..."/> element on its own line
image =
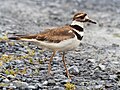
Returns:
<point x="94" y="64"/>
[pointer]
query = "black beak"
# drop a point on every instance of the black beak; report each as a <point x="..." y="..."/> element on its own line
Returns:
<point x="88" y="20"/>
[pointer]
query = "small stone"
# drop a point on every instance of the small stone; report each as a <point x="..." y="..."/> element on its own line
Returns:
<point x="10" y="77"/>
<point x="6" y="80"/>
<point x="61" y="77"/>
<point x="31" y="87"/>
<point x="73" y="70"/>
<point x="12" y="87"/>
<point x="91" y="60"/>
<point x="4" y="88"/>
<point x="102" y="67"/>
<point x="45" y="82"/>
<point x="11" y="84"/>
<point x="29" y="71"/>
<point x="108" y="85"/>
<point x="28" y="80"/>
<point x="113" y="76"/>
<point x="1" y="79"/>
<point x="51" y="82"/>
<point x="38" y="85"/>
<point x="35" y="81"/>
<point x="118" y="83"/>
<point x="98" y="86"/>
<point x="58" y="88"/>
<point x="65" y="81"/>
<point x="115" y="62"/>
<point x="24" y="79"/>
<point x="19" y="61"/>
<point x="22" y="85"/>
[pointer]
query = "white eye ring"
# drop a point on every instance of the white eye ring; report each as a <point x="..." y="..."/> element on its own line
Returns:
<point x="86" y="17"/>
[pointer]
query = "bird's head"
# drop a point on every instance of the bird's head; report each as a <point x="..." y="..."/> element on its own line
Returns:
<point x="82" y="17"/>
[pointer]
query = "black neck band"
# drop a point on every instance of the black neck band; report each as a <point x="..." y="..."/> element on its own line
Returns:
<point x="77" y="27"/>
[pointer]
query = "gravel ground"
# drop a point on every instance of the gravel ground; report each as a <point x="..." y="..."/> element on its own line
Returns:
<point x="94" y="65"/>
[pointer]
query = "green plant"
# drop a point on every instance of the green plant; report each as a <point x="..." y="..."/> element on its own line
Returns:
<point x="4" y="37"/>
<point x="69" y="86"/>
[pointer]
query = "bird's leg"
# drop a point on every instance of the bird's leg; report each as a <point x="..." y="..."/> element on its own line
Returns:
<point x="63" y="59"/>
<point x="51" y="58"/>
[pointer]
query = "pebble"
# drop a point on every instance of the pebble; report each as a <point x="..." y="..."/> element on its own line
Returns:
<point x="73" y="70"/>
<point x="45" y="83"/>
<point x="4" y="88"/>
<point x="19" y="61"/>
<point x="31" y="87"/>
<point x="11" y="87"/>
<point x="28" y="80"/>
<point x="29" y="71"/>
<point x="20" y="84"/>
<point x="38" y="85"/>
<point x="118" y="83"/>
<point x="102" y="67"/>
<point x="98" y="86"/>
<point x="65" y="81"/>
<point x="6" y="80"/>
<point x="91" y="60"/>
<point x="51" y="82"/>
<point x="113" y="76"/>
<point x="10" y="77"/>
<point x="1" y="79"/>
<point x="58" y="88"/>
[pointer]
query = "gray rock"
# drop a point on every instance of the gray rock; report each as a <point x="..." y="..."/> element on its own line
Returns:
<point x="28" y="80"/>
<point x="24" y="79"/>
<point x="31" y="87"/>
<point x="102" y="67"/>
<point x="19" y="84"/>
<point x="98" y="86"/>
<point x="6" y="80"/>
<point x="19" y="61"/>
<point x="113" y="76"/>
<point x="118" y="83"/>
<point x="10" y="76"/>
<point x="51" y="82"/>
<point x="35" y="81"/>
<point x="12" y="87"/>
<point x="73" y="70"/>
<point x="29" y="71"/>
<point x="45" y="83"/>
<point x="38" y="85"/>
<point x="58" y="88"/>
<point x="91" y="60"/>
<point x="4" y="88"/>
<point x="1" y="79"/>
<point x="65" y="81"/>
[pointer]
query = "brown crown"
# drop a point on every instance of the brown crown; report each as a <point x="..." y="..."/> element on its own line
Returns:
<point x="79" y="15"/>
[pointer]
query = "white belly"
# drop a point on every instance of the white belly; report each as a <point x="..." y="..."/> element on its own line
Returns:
<point x="61" y="46"/>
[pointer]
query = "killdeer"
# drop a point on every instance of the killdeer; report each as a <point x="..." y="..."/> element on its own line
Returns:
<point x="60" y="39"/>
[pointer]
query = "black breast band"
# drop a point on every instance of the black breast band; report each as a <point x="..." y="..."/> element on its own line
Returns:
<point x="77" y="27"/>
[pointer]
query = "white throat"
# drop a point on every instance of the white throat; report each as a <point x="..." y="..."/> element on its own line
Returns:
<point x="81" y="24"/>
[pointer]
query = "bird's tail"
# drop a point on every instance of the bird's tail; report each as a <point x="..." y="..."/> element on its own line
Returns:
<point x="22" y="37"/>
<point x="14" y="38"/>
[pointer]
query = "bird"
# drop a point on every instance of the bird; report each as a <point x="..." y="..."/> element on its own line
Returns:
<point x="60" y="39"/>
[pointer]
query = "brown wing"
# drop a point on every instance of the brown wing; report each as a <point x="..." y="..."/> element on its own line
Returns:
<point x="51" y="35"/>
<point x="56" y="35"/>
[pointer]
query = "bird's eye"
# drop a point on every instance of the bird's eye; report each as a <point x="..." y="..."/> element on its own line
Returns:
<point x="81" y="17"/>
